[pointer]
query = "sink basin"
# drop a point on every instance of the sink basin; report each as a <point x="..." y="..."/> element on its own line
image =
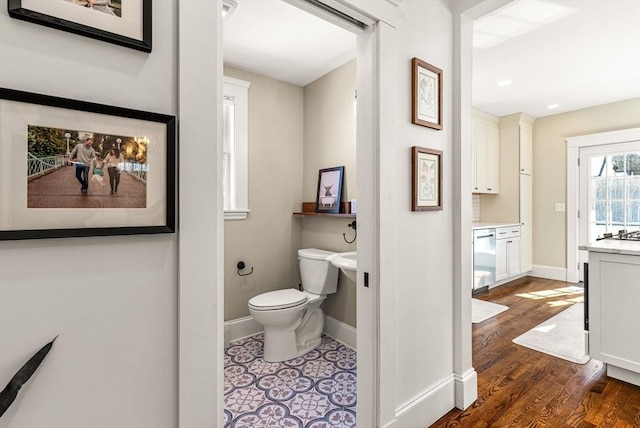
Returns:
<point x="347" y="263"/>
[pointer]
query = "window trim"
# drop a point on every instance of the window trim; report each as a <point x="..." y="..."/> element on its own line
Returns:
<point x="238" y="90"/>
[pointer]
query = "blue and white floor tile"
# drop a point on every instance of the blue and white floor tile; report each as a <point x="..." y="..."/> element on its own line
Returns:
<point x="316" y="390"/>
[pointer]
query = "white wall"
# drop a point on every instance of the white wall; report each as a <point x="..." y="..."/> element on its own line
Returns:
<point x="111" y="300"/>
<point x="416" y="265"/>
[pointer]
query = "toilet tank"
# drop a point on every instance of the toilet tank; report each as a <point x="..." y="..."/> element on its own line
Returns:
<point x="318" y="275"/>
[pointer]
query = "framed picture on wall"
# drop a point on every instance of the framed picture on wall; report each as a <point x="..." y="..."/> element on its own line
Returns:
<point x="426" y="182"/>
<point x="426" y="94"/>
<point x="329" y="192"/>
<point x="123" y="22"/>
<point x="71" y="168"/>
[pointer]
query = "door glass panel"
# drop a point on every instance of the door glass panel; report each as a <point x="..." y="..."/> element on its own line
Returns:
<point x="614" y="192"/>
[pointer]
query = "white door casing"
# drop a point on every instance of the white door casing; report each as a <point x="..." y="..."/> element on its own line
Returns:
<point x="574" y="144"/>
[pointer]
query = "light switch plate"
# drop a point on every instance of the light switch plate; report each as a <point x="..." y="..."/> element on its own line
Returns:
<point x="560" y="207"/>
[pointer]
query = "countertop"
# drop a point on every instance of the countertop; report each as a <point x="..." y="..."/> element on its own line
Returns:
<point x="486" y="225"/>
<point x="614" y="246"/>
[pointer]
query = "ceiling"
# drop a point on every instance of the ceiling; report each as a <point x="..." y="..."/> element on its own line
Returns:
<point x="572" y="53"/>
<point x="281" y="41"/>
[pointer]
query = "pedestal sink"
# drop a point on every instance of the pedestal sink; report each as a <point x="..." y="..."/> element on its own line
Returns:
<point x="347" y="264"/>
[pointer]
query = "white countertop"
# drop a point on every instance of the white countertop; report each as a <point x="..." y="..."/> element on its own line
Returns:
<point x="614" y="246"/>
<point x="486" y="225"/>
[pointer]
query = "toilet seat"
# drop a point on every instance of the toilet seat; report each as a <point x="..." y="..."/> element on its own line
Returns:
<point x="279" y="299"/>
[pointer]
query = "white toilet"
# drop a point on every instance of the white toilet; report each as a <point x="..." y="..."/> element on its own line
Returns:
<point x="292" y="319"/>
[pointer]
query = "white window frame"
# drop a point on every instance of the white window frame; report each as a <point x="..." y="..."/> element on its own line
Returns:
<point x="238" y="91"/>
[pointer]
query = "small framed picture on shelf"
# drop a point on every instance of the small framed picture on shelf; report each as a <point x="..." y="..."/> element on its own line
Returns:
<point x="426" y="182"/>
<point x="329" y="192"/>
<point x="426" y="94"/>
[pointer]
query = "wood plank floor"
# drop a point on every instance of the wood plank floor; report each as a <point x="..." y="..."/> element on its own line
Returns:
<point x="520" y="387"/>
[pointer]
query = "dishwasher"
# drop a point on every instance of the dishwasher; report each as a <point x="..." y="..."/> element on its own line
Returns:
<point x="484" y="258"/>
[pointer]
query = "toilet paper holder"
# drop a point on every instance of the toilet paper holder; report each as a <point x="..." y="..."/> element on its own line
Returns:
<point x="241" y="266"/>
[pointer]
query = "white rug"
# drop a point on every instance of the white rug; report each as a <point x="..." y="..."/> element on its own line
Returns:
<point x="481" y="310"/>
<point x="561" y="336"/>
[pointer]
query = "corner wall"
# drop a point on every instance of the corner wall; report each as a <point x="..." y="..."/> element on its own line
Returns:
<point x="111" y="300"/>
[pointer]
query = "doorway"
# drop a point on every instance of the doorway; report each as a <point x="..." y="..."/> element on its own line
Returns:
<point x="609" y="193"/>
<point x="626" y="140"/>
<point x="282" y="57"/>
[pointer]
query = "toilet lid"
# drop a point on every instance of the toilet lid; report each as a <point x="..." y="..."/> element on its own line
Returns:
<point x="279" y="299"/>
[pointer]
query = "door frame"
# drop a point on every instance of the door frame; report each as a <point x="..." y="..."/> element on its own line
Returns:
<point x="574" y="144"/>
<point x="200" y="223"/>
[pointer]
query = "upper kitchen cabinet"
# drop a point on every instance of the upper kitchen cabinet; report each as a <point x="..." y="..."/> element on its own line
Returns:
<point x="516" y="131"/>
<point x="485" y="153"/>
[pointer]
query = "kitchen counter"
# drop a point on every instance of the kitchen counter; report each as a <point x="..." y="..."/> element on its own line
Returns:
<point x="486" y="225"/>
<point x="614" y="246"/>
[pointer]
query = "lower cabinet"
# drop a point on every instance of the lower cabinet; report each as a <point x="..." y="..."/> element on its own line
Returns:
<point x="614" y="296"/>
<point x="507" y="252"/>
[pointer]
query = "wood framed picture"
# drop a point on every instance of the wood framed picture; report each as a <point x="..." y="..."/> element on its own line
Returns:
<point x="123" y="22"/>
<point x="70" y="168"/>
<point x="426" y="181"/>
<point x="426" y="94"/>
<point x="329" y="192"/>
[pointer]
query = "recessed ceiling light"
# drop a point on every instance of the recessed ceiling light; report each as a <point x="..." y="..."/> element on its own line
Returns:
<point x="504" y="83"/>
<point x="552" y="106"/>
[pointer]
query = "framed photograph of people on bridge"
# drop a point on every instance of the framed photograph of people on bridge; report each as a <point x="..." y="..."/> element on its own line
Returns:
<point x="122" y="22"/>
<point x="71" y="168"/>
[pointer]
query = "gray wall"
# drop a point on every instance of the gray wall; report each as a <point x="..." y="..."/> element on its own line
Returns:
<point x="269" y="238"/>
<point x="330" y="140"/>
<point x="111" y="300"/>
<point x="311" y="128"/>
<point x="550" y="170"/>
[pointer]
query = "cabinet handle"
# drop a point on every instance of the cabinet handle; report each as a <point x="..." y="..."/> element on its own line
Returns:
<point x="488" y="188"/>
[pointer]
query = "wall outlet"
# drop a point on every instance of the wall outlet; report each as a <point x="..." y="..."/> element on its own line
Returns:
<point x="560" y="207"/>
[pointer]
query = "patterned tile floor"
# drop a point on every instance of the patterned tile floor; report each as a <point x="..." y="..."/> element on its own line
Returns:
<point x="316" y="390"/>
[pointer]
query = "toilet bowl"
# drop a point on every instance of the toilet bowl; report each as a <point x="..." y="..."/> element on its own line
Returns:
<point x="292" y="319"/>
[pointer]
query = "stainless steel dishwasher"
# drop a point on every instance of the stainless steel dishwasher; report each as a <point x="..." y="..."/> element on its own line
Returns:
<point x="484" y="257"/>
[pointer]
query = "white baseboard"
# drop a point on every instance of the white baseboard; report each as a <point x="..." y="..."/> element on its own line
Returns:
<point x="244" y="327"/>
<point x="549" y="272"/>
<point x="240" y="328"/>
<point x="466" y="386"/>
<point x="427" y="407"/>
<point x="340" y="331"/>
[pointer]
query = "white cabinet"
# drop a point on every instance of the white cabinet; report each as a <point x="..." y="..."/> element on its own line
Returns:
<point x="614" y="297"/>
<point x="514" y="203"/>
<point x="526" y="148"/>
<point x="485" y="153"/>
<point x="526" y="218"/>
<point x="507" y="252"/>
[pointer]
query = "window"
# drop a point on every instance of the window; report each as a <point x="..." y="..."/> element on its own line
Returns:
<point x="615" y="193"/>
<point x="235" y="123"/>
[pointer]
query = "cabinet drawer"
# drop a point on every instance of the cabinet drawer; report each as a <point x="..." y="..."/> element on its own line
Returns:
<point x="507" y="232"/>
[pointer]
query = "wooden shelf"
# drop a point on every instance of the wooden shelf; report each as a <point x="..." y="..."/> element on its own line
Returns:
<point x="326" y="215"/>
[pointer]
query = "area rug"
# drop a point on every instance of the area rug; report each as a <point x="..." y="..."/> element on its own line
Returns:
<point x="561" y="336"/>
<point x="481" y="310"/>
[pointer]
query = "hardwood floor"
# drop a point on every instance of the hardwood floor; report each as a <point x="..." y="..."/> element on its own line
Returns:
<point x="520" y="387"/>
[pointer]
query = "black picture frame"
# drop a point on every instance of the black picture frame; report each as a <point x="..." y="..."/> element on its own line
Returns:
<point x="329" y="190"/>
<point x="56" y="16"/>
<point x="147" y="138"/>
